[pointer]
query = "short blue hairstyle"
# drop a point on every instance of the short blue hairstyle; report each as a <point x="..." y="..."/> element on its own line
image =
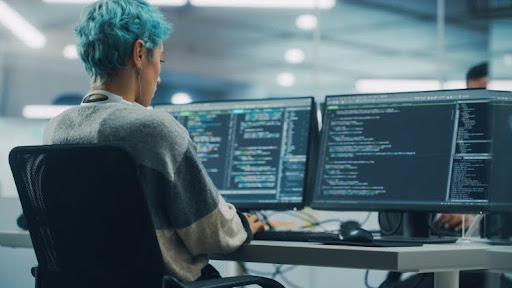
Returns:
<point x="109" y="28"/>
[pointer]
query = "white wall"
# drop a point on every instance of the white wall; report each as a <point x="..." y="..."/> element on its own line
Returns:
<point x="33" y="81"/>
<point x="15" y="263"/>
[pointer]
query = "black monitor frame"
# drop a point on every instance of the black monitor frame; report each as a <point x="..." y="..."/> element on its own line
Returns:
<point x="394" y="206"/>
<point x="311" y="150"/>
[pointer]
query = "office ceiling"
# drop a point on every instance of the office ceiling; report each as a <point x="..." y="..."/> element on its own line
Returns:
<point x="217" y="47"/>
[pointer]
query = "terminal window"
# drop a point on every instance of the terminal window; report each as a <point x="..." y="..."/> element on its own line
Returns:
<point x="411" y="148"/>
<point x="254" y="151"/>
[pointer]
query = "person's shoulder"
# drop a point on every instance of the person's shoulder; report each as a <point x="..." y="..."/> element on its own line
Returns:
<point x="62" y="118"/>
<point x="149" y="124"/>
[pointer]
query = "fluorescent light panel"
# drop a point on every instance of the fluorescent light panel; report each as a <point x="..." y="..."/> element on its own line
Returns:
<point x="395" y="85"/>
<point x="294" y="56"/>
<point x="285" y="79"/>
<point x="70" y="52"/>
<point x="504" y="85"/>
<point x="70" y="1"/>
<point x="181" y="98"/>
<point x="283" y="4"/>
<point x="20" y="27"/>
<point x="43" y="111"/>
<point x="154" y="2"/>
<point x="306" y="22"/>
<point x="409" y="85"/>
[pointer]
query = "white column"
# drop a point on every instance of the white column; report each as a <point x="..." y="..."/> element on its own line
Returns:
<point x="447" y="279"/>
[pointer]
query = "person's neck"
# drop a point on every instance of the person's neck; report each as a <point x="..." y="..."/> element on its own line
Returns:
<point x="120" y="85"/>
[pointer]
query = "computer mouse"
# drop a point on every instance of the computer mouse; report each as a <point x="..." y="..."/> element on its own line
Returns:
<point x="349" y="225"/>
<point x="356" y="235"/>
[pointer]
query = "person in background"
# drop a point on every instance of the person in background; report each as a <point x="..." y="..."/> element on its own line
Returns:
<point x="120" y="44"/>
<point x="476" y="77"/>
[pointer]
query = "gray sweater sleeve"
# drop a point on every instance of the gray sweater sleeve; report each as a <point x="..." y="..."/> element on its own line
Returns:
<point x="179" y="190"/>
<point x="211" y="224"/>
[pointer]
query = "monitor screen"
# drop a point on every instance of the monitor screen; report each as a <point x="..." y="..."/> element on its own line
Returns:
<point x="426" y="151"/>
<point x="255" y="151"/>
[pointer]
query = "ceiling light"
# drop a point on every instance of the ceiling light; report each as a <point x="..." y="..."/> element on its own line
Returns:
<point x="181" y="98"/>
<point x="285" y="79"/>
<point x="279" y="4"/>
<point x="70" y="1"/>
<point x="44" y="111"/>
<point x="294" y="56"/>
<point x="395" y="85"/>
<point x="306" y="22"/>
<point x="70" y="52"/>
<point x="20" y="27"/>
<point x="502" y="85"/>
<point x="154" y="2"/>
<point x="454" y="84"/>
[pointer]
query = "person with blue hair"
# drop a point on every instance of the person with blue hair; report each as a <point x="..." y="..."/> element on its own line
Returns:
<point x="120" y="43"/>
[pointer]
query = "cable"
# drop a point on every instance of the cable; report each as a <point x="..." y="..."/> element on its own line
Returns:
<point x="311" y="217"/>
<point x="300" y="217"/>
<point x="365" y="219"/>
<point x="315" y="224"/>
<point x="392" y="278"/>
<point x="252" y="271"/>
<point x="366" y="284"/>
<point x="288" y="282"/>
<point x="276" y="271"/>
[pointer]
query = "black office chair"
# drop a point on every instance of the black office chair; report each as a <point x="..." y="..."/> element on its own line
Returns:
<point x="89" y="221"/>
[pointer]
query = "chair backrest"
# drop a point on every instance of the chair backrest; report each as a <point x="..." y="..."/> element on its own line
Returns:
<point x="87" y="215"/>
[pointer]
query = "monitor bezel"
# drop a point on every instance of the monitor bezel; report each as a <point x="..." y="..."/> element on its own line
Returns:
<point x="396" y="206"/>
<point x="283" y="206"/>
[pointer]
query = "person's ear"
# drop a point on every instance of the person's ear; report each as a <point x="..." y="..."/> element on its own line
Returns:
<point x="138" y="55"/>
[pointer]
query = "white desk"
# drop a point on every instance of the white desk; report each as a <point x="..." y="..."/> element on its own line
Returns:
<point x="15" y="239"/>
<point x="500" y="258"/>
<point x="445" y="260"/>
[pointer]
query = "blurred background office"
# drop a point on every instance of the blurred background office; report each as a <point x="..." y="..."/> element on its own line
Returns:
<point x="250" y="49"/>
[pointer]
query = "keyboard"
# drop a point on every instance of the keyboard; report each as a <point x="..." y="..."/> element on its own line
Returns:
<point x="501" y="242"/>
<point x="328" y="238"/>
<point x="424" y="240"/>
<point x="300" y="236"/>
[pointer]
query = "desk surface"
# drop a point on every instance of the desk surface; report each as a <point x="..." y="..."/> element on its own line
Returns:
<point x="500" y="259"/>
<point x="15" y="239"/>
<point x="428" y="258"/>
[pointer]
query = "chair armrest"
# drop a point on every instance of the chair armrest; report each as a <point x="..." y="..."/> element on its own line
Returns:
<point x="228" y="282"/>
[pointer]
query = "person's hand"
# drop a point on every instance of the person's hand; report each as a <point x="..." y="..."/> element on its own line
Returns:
<point x="255" y="223"/>
<point x="454" y="221"/>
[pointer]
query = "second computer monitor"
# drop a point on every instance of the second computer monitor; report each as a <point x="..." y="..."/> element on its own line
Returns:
<point x="423" y="151"/>
<point x="255" y="151"/>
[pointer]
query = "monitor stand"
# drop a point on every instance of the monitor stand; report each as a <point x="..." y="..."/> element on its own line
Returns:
<point x="416" y="225"/>
<point x="498" y="228"/>
<point x="416" y="228"/>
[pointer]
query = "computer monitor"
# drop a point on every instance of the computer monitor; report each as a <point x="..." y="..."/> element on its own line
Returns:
<point x="255" y="151"/>
<point x="501" y="180"/>
<point x="422" y="151"/>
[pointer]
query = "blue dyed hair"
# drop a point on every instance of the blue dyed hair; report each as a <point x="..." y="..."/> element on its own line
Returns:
<point x="108" y="30"/>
